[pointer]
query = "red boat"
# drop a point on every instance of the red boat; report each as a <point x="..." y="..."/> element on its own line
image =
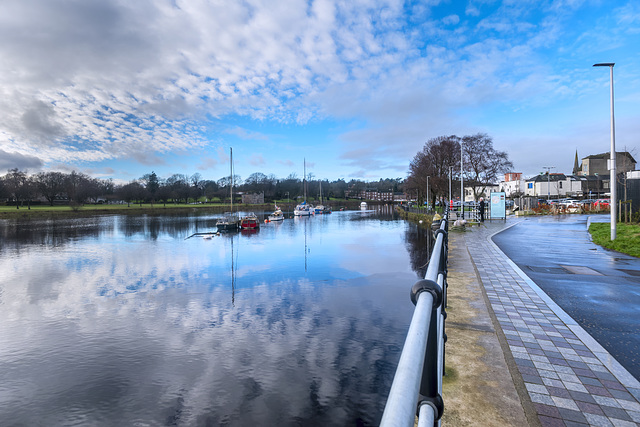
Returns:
<point x="249" y="222"/>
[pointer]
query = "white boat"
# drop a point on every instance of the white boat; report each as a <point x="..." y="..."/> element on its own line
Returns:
<point x="319" y="209"/>
<point x="229" y="221"/>
<point x="277" y="215"/>
<point x="363" y="205"/>
<point x="303" y="209"/>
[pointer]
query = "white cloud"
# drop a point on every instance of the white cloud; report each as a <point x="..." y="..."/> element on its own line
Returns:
<point x="88" y="82"/>
<point x="451" y="20"/>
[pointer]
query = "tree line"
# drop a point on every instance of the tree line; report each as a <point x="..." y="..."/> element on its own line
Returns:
<point x="430" y="171"/>
<point x="76" y="188"/>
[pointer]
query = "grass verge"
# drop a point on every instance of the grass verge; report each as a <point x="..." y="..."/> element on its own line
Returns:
<point x="627" y="237"/>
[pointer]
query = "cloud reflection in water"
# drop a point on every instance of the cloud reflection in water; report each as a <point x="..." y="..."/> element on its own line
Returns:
<point x="113" y="330"/>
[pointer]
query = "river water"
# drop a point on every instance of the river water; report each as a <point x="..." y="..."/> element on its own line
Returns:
<point x="126" y="320"/>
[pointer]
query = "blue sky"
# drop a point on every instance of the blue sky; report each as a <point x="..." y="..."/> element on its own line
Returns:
<point x="116" y="89"/>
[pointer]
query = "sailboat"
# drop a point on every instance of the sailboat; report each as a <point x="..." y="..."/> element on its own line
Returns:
<point x="229" y="221"/>
<point x="303" y="209"/>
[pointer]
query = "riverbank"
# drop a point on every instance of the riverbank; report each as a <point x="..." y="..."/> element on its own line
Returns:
<point x="423" y="220"/>
<point x="52" y="212"/>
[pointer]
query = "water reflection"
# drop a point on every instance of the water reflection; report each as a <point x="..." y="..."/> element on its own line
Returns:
<point x="118" y="320"/>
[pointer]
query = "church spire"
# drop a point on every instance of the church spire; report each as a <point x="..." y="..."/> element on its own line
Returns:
<point x="576" y="166"/>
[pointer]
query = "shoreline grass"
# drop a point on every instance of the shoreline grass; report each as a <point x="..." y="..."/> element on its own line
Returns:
<point x="627" y="237"/>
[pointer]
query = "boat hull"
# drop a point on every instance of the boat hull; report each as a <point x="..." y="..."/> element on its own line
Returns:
<point x="227" y="226"/>
<point x="249" y="225"/>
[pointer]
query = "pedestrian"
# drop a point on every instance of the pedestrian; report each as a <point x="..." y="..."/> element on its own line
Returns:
<point x="481" y="208"/>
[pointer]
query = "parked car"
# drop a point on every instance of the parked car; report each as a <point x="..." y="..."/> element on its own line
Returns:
<point x="569" y="202"/>
<point x="602" y="203"/>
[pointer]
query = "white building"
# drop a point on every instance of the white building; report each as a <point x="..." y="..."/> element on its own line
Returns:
<point x="513" y="184"/>
<point x="554" y="185"/>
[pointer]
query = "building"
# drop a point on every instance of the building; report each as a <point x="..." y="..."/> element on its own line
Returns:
<point x="376" y="195"/>
<point x="253" y="199"/>
<point x="482" y="190"/>
<point x="554" y="185"/>
<point x="513" y="185"/>
<point x="597" y="164"/>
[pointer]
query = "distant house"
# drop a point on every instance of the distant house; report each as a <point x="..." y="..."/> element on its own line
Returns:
<point x="513" y="184"/>
<point x="554" y="185"/>
<point x="483" y="190"/>
<point x="253" y="199"/>
<point x="597" y="164"/>
<point x="373" y="194"/>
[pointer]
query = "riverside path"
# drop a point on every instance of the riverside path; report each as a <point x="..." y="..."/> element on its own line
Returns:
<point x="562" y="374"/>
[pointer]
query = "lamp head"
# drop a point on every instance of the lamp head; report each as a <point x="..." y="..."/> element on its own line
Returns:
<point x="605" y="64"/>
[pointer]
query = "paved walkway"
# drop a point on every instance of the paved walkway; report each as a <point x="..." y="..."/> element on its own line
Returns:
<point x="569" y="377"/>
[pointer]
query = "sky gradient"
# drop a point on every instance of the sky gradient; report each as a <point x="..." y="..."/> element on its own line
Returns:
<point x="116" y="89"/>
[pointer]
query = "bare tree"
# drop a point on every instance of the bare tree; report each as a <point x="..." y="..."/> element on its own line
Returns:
<point x="482" y="163"/>
<point x="50" y="185"/>
<point x="16" y="182"/>
<point x="438" y="157"/>
<point x="130" y="192"/>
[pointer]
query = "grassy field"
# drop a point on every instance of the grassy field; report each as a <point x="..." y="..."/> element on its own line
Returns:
<point x="627" y="237"/>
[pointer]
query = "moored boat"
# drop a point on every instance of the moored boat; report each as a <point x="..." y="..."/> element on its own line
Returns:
<point x="277" y="215"/>
<point x="228" y="222"/>
<point x="249" y="222"/>
<point x="363" y="205"/>
<point x="303" y="209"/>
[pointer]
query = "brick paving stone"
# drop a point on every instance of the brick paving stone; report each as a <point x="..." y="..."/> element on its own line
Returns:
<point x="567" y="384"/>
<point x="551" y="422"/>
<point x="617" y="413"/>
<point x="570" y="415"/>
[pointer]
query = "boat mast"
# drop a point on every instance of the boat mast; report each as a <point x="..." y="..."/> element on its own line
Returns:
<point x="304" y="180"/>
<point x="231" y="170"/>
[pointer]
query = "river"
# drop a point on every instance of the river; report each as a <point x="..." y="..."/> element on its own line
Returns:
<point x="126" y="320"/>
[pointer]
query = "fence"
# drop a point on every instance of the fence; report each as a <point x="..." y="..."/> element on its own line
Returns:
<point x="417" y="385"/>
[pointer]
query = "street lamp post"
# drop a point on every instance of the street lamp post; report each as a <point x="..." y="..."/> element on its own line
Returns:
<point x="461" y="184"/>
<point x="450" y="175"/>
<point x="612" y="167"/>
<point x="427" y="194"/>
<point x="548" y="168"/>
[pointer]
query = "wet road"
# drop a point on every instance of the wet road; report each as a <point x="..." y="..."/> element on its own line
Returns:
<point x="598" y="288"/>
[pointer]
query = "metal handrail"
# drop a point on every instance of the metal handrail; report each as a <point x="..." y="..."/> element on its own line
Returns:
<point x="417" y="384"/>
